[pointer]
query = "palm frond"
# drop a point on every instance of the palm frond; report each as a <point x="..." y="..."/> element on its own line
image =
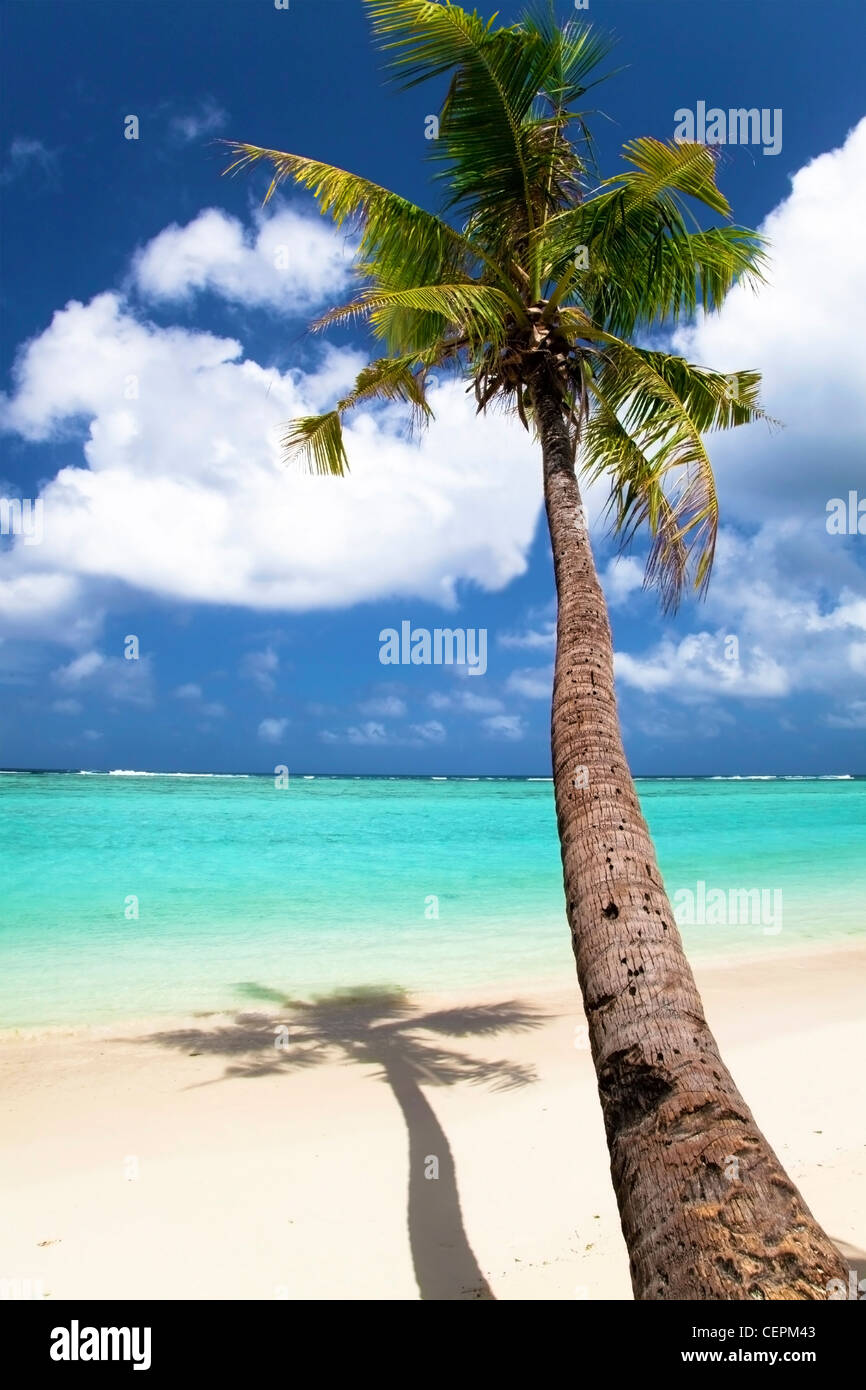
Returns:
<point x="318" y="440"/>
<point x="651" y="410"/>
<point x="644" y="264"/>
<point x="397" y="379"/>
<point x="684" y="166"/>
<point x="477" y="313"/>
<point x="497" y="154"/>
<point x="406" y="243"/>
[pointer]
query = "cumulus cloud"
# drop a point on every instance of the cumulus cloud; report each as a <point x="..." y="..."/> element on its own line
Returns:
<point x="370" y="732"/>
<point x="542" y="638"/>
<point x="207" y="119"/>
<point x="25" y="155"/>
<point x="182" y="491"/>
<point x="772" y="635"/>
<point x="622" y="578"/>
<point x="388" y="706"/>
<point x="698" y="663"/>
<point x="260" y="668"/>
<point x="374" y="734"/>
<point x="533" y="683"/>
<point x="510" y="727"/>
<point x="43" y="605"/>
<point x="193" y="695"/>
<point x="272" y="730"/>
<point x="786" y="590"/>
<point x="853" y="717"/>
<point x="288" y="262"/>
<point x="81" y="668"/>
<point x="66" y="707"/>
<point x="465" y="700"/>
<point x="110" y="677"/>
<point x="800" y="333"/>
<point x="431" y="731"/>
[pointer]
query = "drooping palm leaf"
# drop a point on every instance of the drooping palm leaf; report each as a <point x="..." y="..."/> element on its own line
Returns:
<point x="503" y="289"/>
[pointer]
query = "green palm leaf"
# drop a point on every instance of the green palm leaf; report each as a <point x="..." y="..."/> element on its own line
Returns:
<point x="502" y="295"/>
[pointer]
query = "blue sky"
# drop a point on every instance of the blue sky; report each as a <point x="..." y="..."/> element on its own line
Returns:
<point x="154" y="339"/>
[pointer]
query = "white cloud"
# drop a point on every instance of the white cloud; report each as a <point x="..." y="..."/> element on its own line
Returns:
<point x="388" y="706"/>
<point x="272" y="730"/>
<point x="800" y="332"/>
<point x="111" y="677"/>
<point x="465" y="700"/>
<point x="509" y="727"/>
<point x="191" y="691"/>
<point x="429" y="732"/>
<point x="533" y="639"/>
<point x="26" y="154"/>
<point x="291" y="262"/>
<point x="478" y="704"/>
<point x="698" y="664"/>
<point x="260" y="668"/>
<point x="194" y="125"/>
<point x="181" y="491"/>
<point x="531" y="683"/>
<point x="81" y="668"/>
<point x="66" y="706"/>
<point x="183" y="494"/>
<point x="788" y="592"/>
<point x="623" y="576"/>
<point x="853" y="718"/>
<point x="38" y="605"/>
<point x="785" y="637"/>
<point x="370" y="732"/>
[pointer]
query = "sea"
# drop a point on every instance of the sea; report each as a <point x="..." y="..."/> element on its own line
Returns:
<point x="129" y="895"/>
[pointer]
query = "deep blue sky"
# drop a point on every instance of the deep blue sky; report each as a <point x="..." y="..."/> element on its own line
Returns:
<point x="78" y="200"/>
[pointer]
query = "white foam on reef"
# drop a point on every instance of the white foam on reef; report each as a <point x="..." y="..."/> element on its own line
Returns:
<point x="127" y="772"/>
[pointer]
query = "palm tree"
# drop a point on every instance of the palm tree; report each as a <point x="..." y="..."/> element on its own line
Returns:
<point x="535" y="284"/>
<point x="379" y="1026"/>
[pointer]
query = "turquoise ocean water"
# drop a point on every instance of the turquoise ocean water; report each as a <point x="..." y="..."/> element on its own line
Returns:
<point x="336" y="882"/>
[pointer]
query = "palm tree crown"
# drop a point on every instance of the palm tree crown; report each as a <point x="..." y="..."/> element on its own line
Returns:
<point x="538" y="269"/>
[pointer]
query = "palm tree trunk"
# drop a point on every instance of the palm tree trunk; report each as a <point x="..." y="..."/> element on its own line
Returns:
<point x="707" y="1210"/>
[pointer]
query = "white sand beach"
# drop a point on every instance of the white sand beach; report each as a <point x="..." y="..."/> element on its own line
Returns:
<point x="195" y="1159"/>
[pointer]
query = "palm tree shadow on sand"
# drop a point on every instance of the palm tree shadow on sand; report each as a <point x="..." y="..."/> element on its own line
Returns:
<point x="380" y="1026"/>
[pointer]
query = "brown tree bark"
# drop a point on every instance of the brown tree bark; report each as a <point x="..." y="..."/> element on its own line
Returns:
<point x="707" y="1210"/>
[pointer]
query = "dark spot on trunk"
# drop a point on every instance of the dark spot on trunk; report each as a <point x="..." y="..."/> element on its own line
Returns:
<point x="630" y="1090"/>
<point x="610" y="911"/>
<point x="603" y="1001"/>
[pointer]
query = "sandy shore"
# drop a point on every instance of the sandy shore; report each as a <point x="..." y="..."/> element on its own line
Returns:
<point x="197" y="1159"/>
